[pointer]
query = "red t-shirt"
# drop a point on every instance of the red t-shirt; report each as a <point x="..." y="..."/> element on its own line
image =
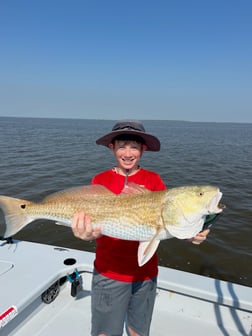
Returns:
<point x="117" y="258"/>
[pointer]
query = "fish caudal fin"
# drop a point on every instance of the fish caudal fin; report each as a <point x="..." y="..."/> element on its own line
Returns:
<point x="15" y="215"/>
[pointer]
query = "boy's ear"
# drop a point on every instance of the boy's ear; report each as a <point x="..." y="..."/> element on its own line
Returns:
<point x="111" y="146"/>
<point x="144" y="147"/>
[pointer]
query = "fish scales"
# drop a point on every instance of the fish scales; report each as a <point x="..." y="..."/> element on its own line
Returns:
<point x="135" y="209"/>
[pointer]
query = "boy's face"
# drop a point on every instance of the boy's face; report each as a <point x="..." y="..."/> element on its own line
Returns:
<point x="127" y="153"/>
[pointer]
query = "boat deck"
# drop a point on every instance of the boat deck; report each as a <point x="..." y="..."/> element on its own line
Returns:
<point x="186" y="304"/>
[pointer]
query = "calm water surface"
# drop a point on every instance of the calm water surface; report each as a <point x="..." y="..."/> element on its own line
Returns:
<point x="40" y="156"/>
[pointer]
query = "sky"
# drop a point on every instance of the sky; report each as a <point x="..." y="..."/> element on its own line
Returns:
<point x="112" y="59"/>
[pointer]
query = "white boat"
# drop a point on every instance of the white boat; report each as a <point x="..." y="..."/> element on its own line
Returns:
<point x="37" y="280"/>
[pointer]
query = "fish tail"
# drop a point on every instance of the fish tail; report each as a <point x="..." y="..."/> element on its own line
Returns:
<point x="16" y="218"/>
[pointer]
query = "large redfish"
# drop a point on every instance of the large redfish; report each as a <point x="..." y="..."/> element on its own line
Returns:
<point x="146" y="216"/>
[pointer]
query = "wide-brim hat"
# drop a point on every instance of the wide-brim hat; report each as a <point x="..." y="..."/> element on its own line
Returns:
<point x="131" y="127"/>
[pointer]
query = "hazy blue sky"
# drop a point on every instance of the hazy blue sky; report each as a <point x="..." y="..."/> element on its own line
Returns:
<point x="114" y="59"/>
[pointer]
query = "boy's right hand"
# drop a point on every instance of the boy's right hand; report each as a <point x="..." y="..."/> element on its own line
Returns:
<point x="82" y="227"/>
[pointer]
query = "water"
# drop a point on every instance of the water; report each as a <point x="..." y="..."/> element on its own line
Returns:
<point x="40" y="156"/>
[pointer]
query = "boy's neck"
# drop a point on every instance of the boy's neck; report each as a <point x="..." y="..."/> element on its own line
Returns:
<point x="126" y="172"/>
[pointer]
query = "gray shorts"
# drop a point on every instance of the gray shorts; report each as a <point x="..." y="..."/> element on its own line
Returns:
<point x="116" y="302"/>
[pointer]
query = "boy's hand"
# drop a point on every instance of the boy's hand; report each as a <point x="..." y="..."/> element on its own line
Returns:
<point x="82" y="227"/>
<point x="200" y="237"/>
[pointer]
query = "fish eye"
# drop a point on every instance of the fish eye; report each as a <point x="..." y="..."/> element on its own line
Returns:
<point x="23" y="206"/>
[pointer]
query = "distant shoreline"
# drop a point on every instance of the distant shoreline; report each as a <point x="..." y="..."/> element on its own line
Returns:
<point x="144" y="120"/>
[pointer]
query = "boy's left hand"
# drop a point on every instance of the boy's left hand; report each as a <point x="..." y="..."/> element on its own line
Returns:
<point x="200" y="237"/>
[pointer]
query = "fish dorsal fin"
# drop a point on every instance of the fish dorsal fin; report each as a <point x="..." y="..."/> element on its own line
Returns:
<point x="79" y="192"/>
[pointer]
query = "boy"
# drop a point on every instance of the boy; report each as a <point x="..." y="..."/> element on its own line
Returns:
<point x="121" y="290"/>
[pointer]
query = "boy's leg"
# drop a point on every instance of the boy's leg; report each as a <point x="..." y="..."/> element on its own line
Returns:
<point x="109" y="303"/>
<point x="141" y="305"/>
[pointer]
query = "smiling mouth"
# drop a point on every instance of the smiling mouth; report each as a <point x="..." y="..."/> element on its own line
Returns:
<point x="128" y="160"/>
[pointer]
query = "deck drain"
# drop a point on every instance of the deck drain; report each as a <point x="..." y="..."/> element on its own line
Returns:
<point x="70" y="261"/>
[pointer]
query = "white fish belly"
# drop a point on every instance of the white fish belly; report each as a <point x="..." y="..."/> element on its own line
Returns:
<point x="127" y="231"/>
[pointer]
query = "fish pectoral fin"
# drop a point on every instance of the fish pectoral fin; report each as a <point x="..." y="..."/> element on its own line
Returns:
<point x="146" y="250"/>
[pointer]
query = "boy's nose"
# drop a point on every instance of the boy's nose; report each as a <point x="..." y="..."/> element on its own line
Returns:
<point x="128" y="152"/>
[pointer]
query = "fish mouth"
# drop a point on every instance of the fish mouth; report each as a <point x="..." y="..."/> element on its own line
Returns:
<point x="215" y="206"/>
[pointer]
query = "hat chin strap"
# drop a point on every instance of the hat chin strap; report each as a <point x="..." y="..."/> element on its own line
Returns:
<point x="126" y="177"/>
